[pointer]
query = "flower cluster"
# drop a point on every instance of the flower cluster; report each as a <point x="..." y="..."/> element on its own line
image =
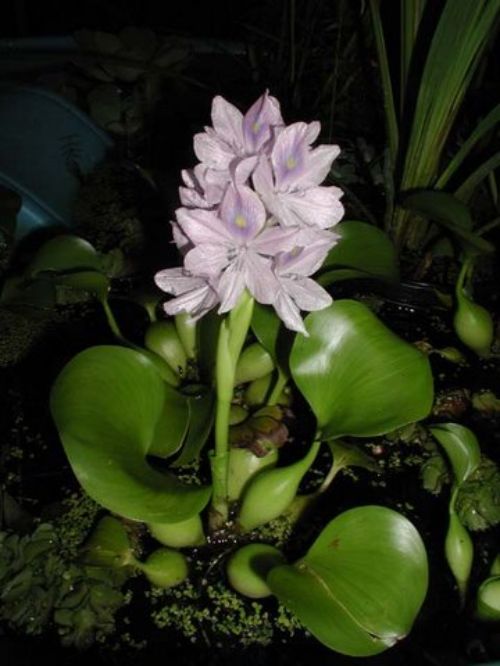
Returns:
<point x="254" y="215"/>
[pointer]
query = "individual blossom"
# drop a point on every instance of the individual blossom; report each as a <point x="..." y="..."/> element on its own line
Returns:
<point x="289" y="180"/>
<point x="234" y="248"/>
<point x="297" y="291"/>
<point x="195" y="294"/>
<point x="221" y="149"/>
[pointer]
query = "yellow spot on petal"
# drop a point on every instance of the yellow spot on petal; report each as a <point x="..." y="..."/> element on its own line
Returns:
<point x="240" y="221"/>
<point x="255" y="127"/>
<point x="291" y="163"/>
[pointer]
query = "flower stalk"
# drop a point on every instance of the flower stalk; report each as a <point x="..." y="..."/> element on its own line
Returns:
<point x="232" y="334"/>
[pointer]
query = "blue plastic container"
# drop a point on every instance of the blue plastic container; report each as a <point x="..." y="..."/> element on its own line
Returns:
<point x="45" y="143"/>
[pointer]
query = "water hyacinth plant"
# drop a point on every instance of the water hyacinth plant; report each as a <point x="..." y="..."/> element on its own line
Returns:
<point x="217" y="375"/>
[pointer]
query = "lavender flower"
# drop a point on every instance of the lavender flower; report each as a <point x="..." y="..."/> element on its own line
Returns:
<point x="254" y="215"/>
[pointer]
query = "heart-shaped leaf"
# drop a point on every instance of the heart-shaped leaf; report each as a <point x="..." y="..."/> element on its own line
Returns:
<point x="172" y="425"/>
<point x="361" y="585"/>
<point x="365" y="248"/>
<point x="359" y="378"/>
<point x="107" y="404"/>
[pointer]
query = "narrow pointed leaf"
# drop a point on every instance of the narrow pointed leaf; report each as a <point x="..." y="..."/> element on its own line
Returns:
<point x="106" y="404"/>
<point x="358" y="377"/>
<point x="361" y="585"/>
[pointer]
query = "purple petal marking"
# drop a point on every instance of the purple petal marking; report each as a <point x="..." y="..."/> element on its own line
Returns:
<point x="317" y="167"/>
<point x="227" y="121"/>
<point x="242" y="213"/>
<point x="259" y="120"/>
<point x="289" y="155"/>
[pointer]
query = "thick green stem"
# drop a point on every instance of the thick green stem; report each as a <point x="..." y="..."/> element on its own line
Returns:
<point x="232" y="334"/>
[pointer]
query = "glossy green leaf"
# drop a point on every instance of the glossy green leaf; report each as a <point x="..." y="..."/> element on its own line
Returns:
<point x="201" y="417"/>
<point x="461" y="446"/>
<point x="365" y="248"/>
<point x="272" y="335"/>
<point x="359" y="378"/>
<point x="361" y="585"/>
<point x="107" y="404"/>
<point x="172" y="425"/>
<point x="64" y="253"/>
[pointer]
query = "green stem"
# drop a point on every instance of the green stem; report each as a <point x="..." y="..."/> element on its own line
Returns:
<point x="113" y="324"/>
<point x="232" y="334"/>
<point x="281" y="382"/>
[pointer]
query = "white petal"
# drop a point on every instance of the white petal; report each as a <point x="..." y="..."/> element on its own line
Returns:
<point x="306" y="293"/>
<point x="317" y="166"/>
<point x="231" y="286"/>
<point x="289" y="313"/>
<point x="207" y="260"/>
<point x="212" y="151"/>
<point x="316" y="206"/>
<point x="228" y="122"/>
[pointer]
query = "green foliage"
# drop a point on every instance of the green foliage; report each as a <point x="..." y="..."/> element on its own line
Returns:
<point x="361" y="584"/>
<point x="367" y="251"/>
<point x="108" y="404"/>
<point x="478" y="498"/>
<point x="435" y="76"/>
<point x="357" y="376"/>
<point x="41" y="590"/>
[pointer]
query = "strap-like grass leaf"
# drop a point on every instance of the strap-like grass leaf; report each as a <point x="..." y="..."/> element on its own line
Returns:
<point x="358" y="377"/>
<point x="361" y="585"/>
<point x="107" y="404"/>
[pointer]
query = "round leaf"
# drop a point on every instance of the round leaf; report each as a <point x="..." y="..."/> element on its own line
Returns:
<point x="359" y="378"/>
<point x="361" y="585"/>
<point x="107" y="404"/>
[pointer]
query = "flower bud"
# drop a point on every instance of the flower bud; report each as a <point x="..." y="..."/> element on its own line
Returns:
<point x="184" y="534"/>
<point x="473" y="325"/>
<point x="162" y="339"/>
<point x="248" y="567"/>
